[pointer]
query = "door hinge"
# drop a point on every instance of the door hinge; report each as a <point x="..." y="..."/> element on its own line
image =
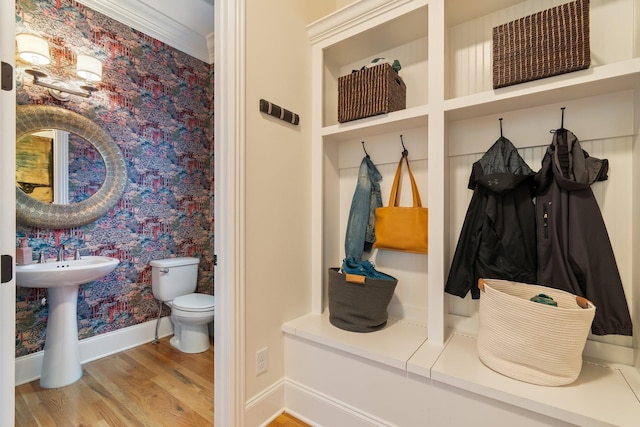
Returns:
<point x="7" y="268"/>
<point x="6" y="76"/>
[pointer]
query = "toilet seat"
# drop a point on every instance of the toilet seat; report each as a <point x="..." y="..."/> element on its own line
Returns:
<point x="194" y="302"/>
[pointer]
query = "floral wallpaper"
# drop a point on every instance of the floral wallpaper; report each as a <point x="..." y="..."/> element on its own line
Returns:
<point x="157" y="104"/>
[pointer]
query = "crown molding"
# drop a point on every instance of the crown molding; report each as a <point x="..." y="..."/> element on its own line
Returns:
<point x="149" y="21"/>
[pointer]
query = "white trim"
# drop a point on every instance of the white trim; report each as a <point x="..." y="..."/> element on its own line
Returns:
<point x="149" y="21"/>
<point x="7" y="216"/>
<point x="266" y="405"/>
<point x="60" y="166"/>
<point x="211" y="43"/>
<point x="301" y="399"/>
<point x="349" y="16"/>
<point x="229" y="134"/>
<point x="28" y="368"/>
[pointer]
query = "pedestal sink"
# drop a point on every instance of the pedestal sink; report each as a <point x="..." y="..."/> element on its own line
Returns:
<point x="61" y="360"/>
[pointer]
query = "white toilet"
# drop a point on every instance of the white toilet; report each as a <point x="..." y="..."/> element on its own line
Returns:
<point x="173" y="281"/>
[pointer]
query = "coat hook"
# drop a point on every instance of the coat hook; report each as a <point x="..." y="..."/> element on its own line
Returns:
<point x="365" y="150"/>
<point x="405" y="153"/>
<point x="500" y="126"/>
<point x="562" y="121"/>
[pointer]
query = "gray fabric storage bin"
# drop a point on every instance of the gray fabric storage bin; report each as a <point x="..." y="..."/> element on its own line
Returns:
<point x="359" y="307"/>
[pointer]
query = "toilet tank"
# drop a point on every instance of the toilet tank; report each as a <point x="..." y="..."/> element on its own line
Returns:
<point x="173" y="277"/>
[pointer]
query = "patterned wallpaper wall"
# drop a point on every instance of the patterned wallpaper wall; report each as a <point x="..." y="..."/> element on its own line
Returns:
<point x="157" y="105"/>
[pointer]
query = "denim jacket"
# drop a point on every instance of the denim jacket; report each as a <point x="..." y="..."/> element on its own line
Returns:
<point x="360" y="234"/>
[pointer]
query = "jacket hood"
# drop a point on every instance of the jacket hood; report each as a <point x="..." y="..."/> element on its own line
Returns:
<point x="500" y="169"/>
<point x="572" y="167"/>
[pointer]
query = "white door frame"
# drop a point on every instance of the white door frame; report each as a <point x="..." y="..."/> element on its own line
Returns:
<point x="229" y="214"/>
<point x="7" y="216"/>
<point x="229" y="232"/>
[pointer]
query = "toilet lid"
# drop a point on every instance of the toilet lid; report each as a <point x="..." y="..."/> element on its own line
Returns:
<point x="194" y="302"/>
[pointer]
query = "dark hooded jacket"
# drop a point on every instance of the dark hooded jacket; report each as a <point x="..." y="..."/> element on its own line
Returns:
<point x="498" y="237"/>
<point x="574" y="251"/>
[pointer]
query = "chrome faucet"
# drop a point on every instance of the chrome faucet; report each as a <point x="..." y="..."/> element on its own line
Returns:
<point x="61" y="253"/>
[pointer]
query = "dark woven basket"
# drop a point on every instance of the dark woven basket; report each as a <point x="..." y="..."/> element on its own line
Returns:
<point x="554" y="41"/>
<point x="369" y="92"/>
<point x="359" y="307"/>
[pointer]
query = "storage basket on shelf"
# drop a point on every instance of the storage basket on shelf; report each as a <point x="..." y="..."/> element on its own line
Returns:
<point x="554" y="41"/>
<point x="369" y="92"/>
<point x="358" y="304"/>
<point x="529" y="341"/>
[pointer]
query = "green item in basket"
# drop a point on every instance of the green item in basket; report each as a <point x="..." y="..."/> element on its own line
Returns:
<point x="544" y="299"/>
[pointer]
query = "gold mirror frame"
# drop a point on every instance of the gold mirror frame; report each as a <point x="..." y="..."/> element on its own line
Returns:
<point x="31" y="212"/>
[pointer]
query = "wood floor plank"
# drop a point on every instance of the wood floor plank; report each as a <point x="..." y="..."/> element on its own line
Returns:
<point x="287" y="420"/>
<point x="162" y="355"/>
<point x="112" y="411"/>
<point x="29" y="409"/>
<point x="147" y="386"/>
<point x="193" y="395"/>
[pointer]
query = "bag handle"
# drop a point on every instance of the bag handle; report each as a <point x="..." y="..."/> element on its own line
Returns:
<point x="355" y="278"/>
<point x="394" y="199"/>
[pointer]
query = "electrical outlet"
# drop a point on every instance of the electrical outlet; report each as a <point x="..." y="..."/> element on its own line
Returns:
<point x="262" y="361"/>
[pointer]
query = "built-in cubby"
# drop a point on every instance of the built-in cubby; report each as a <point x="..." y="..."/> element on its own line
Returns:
<point x="452" y="117"/>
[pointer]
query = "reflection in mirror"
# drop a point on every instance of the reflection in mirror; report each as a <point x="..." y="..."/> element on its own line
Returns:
<point x="85" y="171"/>
<point x="53" y="166"/>
<point x="42" y="165"/>
<point x="106" y="182"/>
<point x="34" y="165"/>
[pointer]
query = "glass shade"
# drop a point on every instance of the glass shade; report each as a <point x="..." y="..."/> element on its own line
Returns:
<point x="89" y="68"/>
<point x="33" y="49"/>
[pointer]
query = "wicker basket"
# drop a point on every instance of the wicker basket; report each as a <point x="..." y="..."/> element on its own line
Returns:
<point x="529" y="341"/>
<point x="369" y="92"/>
<point x="554" y="41"/>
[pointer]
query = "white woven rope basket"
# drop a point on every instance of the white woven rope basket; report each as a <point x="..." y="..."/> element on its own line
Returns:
<point x="530" y="341"/>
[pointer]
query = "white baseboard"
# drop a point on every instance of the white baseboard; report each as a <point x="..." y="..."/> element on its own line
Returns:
<point x="297" y="399"/>
<point x="323" y="410"/>
<point x="266" y="406"/>
<point x="29" y="368"/>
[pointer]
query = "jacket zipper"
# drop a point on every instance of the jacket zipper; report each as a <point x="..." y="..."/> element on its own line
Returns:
<point x="545" y="221"/>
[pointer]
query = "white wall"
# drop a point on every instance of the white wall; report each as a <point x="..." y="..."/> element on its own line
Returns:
<point x="277" y="179"/>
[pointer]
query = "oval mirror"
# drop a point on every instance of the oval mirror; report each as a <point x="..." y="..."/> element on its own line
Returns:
<point x="35" y="213"/>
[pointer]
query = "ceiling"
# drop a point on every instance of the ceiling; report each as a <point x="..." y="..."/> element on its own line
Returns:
<point x="186" y="25"/>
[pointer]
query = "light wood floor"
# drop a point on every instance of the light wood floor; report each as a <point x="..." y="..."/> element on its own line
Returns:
<point x="150" y="385"/>
<point x="286" y="420"/>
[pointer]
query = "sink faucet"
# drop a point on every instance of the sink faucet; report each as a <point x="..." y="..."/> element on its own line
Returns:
<point x="61" y="253"/>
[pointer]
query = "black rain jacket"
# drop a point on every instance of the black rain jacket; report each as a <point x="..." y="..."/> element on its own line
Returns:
<point x="498" y="237"/>
<point x="574" y="251"/>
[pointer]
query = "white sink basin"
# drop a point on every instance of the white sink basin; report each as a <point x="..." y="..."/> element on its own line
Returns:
<point x="55" y="274"/>
<point x="61" y="358"/>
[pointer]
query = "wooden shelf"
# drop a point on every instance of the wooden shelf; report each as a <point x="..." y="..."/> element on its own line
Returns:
<point x="392" y="346"/>
<point x="591" y="82"/>
<point x="385" y="123"/>
<point x="601" y="395"/>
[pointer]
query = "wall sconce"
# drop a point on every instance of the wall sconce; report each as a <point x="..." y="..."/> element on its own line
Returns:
<point x="35" y="50"/>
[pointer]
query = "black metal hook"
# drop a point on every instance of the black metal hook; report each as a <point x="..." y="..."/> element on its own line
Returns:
<point x="500" y="126"/>
<point x="562" y="121"/>
<point x="405" y="153"/>
<point x="365" y="150"/>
